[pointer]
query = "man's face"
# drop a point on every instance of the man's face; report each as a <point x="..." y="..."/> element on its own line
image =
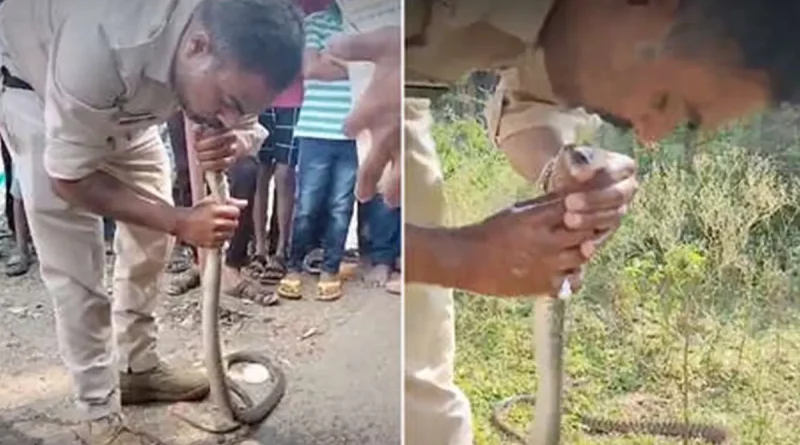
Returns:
<point x="623" y="69"/>
<point x="214" y="92"/>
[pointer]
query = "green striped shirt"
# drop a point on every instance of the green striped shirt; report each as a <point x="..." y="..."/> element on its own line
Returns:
<point x="325" y="104"/>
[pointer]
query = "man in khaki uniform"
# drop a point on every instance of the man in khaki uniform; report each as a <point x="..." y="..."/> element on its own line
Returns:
<point x="85" y="85"/>
<point x="650" y="65"/>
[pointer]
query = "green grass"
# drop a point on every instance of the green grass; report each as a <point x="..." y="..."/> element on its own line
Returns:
<point x="689" y="312"/>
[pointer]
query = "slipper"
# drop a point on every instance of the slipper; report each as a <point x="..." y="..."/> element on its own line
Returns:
<point x="273" y="272"/>
<point x="329" y="290"/>
<point x="181" y="284"/>
<point x="247" y="290"/>
<point x="254" y="268"/>
<point x="290" y="287"/>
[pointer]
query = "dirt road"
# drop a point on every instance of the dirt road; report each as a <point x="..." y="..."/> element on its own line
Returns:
<point x="342" y="362"/>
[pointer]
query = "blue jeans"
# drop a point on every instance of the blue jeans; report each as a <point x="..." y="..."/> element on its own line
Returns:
<point x="326" y="178"/>
<point x="381" y="233"/>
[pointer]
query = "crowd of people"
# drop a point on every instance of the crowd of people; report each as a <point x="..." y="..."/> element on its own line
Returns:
<point x="301" y="217"/>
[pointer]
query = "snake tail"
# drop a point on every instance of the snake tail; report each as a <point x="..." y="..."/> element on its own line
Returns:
<point x="709" y="433"/>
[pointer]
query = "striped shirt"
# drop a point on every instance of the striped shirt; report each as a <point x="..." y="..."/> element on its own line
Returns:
<point x="325" y="104"/>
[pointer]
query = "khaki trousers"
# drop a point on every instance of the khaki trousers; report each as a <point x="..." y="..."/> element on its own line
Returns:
<point x="437" y="412"/>
<point x="69" y="244"/>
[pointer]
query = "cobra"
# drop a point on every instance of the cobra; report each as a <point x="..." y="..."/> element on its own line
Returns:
<point x="549" y="340"/>
<point x="222" y="387"/>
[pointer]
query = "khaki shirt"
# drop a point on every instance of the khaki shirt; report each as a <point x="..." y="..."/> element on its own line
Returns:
<point x="446" y="39"/>
<point x="102" y="70"/>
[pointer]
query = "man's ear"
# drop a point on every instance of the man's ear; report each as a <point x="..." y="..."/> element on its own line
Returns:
<point x="199" y="44"/>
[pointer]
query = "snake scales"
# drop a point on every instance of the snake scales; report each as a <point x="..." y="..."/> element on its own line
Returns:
<point x="222" y="386"/>
<point x="549" y="346"/>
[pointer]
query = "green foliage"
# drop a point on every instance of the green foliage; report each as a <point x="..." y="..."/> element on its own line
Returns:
<point x="687" y="312"/>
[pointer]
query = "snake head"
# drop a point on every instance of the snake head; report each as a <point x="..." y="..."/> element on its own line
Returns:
<point x="571" y="160"/>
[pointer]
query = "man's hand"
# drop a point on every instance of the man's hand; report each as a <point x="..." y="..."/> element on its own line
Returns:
<point x="521" y="251"/>
<point x="217" y="149"/>
<point x="601" y="208"/>
<point x="209" y="224"/>
<point x="378" y="109"/>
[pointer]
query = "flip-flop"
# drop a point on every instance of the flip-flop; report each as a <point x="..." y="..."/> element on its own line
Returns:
<point x="254" y="268"/>
<point x="247" y="290"/>
<point x="290" y="288"/>
<point x="273" y="272"/>
<point x="329" y="290"/>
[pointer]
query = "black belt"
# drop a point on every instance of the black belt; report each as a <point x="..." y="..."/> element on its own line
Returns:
<point x="13" y="81"/>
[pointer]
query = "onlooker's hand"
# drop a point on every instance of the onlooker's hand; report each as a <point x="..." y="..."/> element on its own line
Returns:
<point x="209" y="224"/>
<point x="378" y="109"/>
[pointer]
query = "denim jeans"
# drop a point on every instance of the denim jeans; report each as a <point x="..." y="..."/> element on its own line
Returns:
<point x="326" y="178"/>
<point x="381" y="233"/>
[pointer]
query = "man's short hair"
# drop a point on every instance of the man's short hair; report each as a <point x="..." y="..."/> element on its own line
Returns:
<point x="766" y="33"/>
<point x="262" y="36"/>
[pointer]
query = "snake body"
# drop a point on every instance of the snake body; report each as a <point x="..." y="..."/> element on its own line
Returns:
<point x="249" y="412"/>
<point x="549" y="340"/>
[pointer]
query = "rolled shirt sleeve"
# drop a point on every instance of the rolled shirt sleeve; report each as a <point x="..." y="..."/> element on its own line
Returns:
<point x="517" y="106"/>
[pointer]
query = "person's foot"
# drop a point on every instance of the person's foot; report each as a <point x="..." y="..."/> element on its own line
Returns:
<point x="182" y="283"/>
<point x="290" y="286"/>
<point x="378" y="275"/>
<point x="394" y="286"/>
<point x="163" y="384"/>
<point x="329" y="287"/>
<point x="111" y="430"/>
<point x="18" y="263"/>
<point x="181" y="259"/>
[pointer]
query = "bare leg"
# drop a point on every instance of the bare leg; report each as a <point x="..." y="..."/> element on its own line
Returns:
<point x="260" y="206"/>
<point x="22" y="233"/>
<point x="284" y="185"/>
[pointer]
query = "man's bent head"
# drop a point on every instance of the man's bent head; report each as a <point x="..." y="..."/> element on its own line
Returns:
<point x="236" y="56"/>
<point x="658" y="64"/>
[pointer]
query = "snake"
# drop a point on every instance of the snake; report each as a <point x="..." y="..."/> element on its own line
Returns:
<point x="248" y="412"/>
<point x="549" y="340"/>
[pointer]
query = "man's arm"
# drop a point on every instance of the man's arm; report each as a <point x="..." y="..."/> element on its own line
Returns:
<point x="437" y="257"/>
<point x="530" y="130"/>
<point x="317" y="65"/>
<point x="81" y="90"/>
<point x="80" y="106"/>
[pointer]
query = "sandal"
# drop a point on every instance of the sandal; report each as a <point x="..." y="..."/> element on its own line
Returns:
<point x="17" y="264"/>
<point x="329" y="290"/>
<point x="273" y="272"/>
<point x="254" y="268"/>
<point x="247" y="290"/>
<point x="181" y="284"/>
<point x="290" y="287"/>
